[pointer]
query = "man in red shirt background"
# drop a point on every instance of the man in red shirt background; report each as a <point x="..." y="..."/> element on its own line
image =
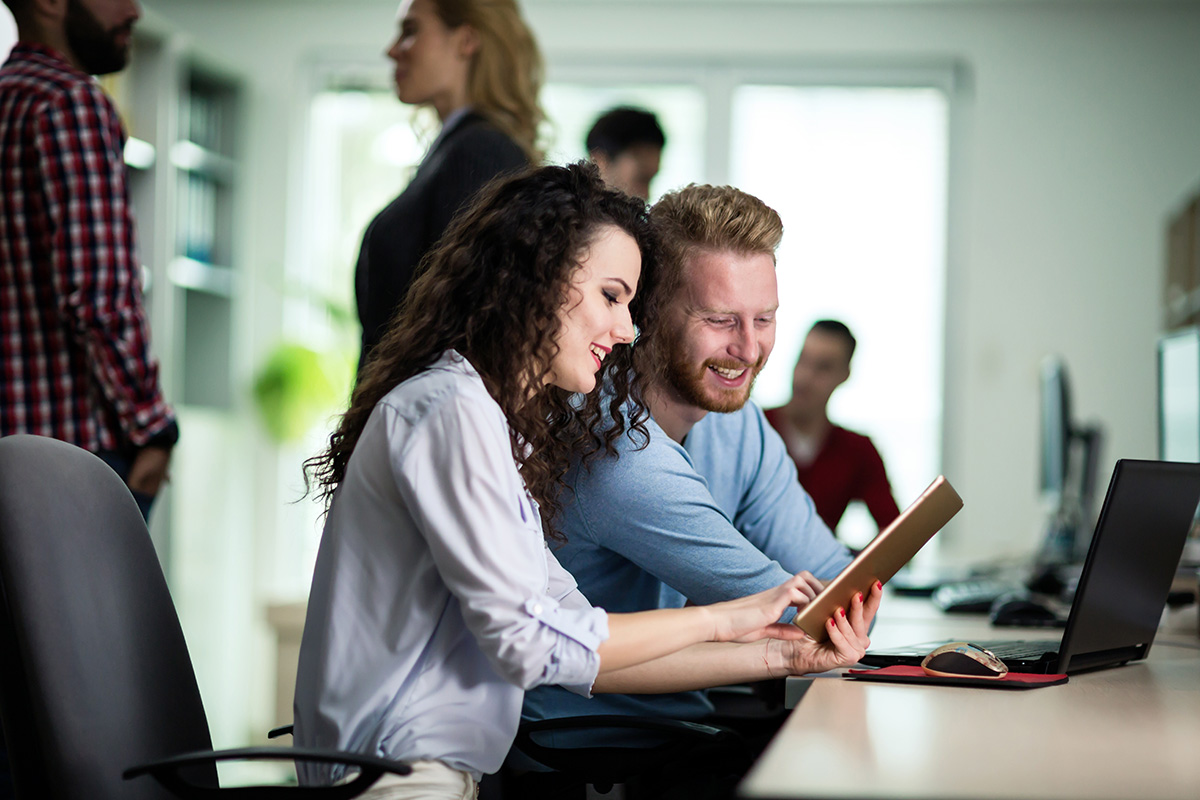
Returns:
<point x="836" y="466"/>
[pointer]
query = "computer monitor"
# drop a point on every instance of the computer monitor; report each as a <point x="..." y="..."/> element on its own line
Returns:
<point x="1179" y="395"/>
<point x="1055" y="428"/>
<point x="1179" y="410"/>
<point x="1070" y="455"/>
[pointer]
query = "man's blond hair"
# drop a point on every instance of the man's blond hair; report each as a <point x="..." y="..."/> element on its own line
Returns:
<point x="701" y="218"/>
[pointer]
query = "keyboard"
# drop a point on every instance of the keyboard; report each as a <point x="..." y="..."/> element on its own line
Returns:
<point x="974" y="595"/>
<point x="1003" y="648"/>
<point x="1028" y="649"/>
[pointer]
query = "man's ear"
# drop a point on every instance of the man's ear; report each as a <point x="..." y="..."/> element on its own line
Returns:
<point x="54" y="9"/>
<point x="602" y="161"/>
<point x="41" y="21"/>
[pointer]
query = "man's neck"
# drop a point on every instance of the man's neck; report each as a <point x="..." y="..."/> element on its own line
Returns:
<point x="809" y="424"/>
<point x="674" y="415"/>
<point x="47" y="36"/>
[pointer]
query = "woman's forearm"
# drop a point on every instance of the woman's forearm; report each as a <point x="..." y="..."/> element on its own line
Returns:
<point x="667" y="666"/>
<point x="647" y="635"/>
<point x="697" y="667"/>
<point x="642" y="636"/>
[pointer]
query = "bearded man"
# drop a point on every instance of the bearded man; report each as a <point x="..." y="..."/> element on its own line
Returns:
<point x="75" y="361"/>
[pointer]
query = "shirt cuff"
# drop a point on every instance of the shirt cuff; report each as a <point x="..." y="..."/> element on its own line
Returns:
<point x="572" y="662"/>
<point x="166" y="438"/>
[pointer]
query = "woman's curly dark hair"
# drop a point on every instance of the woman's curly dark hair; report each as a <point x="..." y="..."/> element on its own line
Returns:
<point x="492" y="290"/>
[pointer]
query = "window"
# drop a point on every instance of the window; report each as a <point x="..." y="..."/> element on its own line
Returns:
<point x="859" y="176"/>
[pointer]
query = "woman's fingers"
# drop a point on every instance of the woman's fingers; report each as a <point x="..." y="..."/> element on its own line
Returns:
<point x="749" y="618"/>
<point x="784" y="630"/>
<point x="794" y="592"/>
<point x="847" y="634"/>
<point x="837" y="639"/>
<point x="755" y="616"/>
<point x="874" y="598"/>
<point x="805" y="588"/>
<point x="813" y="586"/>
<point x="856" y="614"/>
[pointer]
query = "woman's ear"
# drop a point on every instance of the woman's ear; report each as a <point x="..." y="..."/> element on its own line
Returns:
<point x="468" y="42"/>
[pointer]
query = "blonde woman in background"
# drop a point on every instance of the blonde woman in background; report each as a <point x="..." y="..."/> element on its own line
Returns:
<point x="477" y="65"/>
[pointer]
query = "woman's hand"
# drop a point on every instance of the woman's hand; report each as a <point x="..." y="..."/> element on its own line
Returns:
<point x="756" y="616"/>
<point x="847" y="643"/>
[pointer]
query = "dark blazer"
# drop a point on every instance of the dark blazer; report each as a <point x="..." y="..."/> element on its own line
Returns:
<point x="467" y="156"/>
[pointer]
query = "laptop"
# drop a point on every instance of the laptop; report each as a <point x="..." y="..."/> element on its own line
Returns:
<point x="1148" y="511"/>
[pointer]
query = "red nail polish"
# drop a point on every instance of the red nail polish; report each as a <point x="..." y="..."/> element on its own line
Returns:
<point x="859" y="597"/>
<point x="878" y="585"/>
<point x="842" y="611"/>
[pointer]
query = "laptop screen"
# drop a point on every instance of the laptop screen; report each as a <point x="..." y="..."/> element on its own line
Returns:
<point x="1147" y="514"/>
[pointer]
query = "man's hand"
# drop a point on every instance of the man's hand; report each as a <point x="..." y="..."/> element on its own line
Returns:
<point x="149" y="470"/>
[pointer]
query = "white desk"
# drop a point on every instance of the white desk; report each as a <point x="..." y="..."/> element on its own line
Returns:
<point x="1129" y="733"/>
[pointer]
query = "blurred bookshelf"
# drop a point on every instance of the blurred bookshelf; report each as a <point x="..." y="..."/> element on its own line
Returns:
<point x="1181" y="289"/>
<point x="181" y="115"/>
<point x="202" y="267"/>
<point x="185" y="115"/>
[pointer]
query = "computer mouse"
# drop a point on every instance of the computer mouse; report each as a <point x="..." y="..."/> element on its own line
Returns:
<point x="964" y="659"/>
<point x="1020" y="610"/>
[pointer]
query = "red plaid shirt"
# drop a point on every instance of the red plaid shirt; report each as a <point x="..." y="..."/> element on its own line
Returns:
<point x="75" y="362"/>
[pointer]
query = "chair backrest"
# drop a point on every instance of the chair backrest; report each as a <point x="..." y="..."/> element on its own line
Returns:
<point x="95" y="675"/>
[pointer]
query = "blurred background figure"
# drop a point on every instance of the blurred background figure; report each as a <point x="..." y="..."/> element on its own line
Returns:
<point x="74" y="336"/>
<point x="835" y="465"/>
<point x="627" y="143"/>
<point x="477" y="65"/>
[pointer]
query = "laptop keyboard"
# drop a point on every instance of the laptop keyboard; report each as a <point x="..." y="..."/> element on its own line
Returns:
<point x="1021" y="648"/>
<point x="1005" y="649"/>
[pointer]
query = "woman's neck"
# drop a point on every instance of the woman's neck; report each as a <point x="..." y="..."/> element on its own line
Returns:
<point x="450" y="107"/>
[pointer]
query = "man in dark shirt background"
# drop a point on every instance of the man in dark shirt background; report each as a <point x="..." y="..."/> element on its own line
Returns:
<point x="626" y="143"/>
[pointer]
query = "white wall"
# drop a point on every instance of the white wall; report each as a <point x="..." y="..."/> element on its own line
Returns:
<point x="8" y="32"/>
<point x="1076" y="135"/>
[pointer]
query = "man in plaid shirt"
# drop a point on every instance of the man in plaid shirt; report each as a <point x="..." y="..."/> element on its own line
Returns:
<point x="75" y="361"/>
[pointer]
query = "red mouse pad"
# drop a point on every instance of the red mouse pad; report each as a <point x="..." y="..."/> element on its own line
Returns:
<point x="907" y="674"/>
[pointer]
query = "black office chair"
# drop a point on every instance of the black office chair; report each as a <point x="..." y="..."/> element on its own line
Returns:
<point x="96" y="683"/>
<point x="657" y="758"/>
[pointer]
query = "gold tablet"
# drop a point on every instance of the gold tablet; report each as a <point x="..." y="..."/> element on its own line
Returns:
<point x="884" y="556"/>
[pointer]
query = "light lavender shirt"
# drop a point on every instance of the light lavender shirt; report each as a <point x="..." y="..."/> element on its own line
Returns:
<point x="435" y="602"/>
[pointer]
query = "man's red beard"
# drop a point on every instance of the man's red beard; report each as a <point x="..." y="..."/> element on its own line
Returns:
<point x="689" y="380"/>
